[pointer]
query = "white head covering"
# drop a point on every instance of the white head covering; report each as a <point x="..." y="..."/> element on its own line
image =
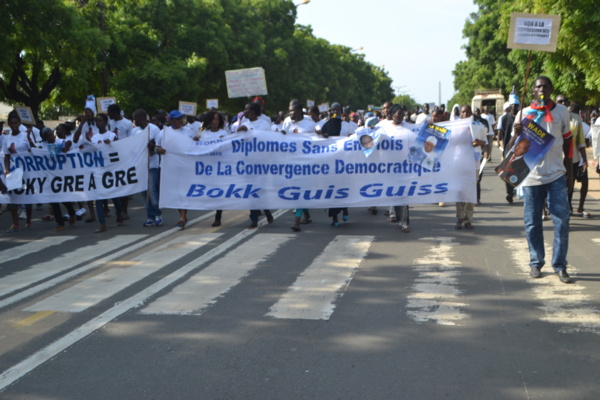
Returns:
<point x="432" y="139"/>
<point x="90" y="102"/>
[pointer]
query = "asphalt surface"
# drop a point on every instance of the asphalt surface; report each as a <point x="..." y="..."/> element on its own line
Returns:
<point x="437" y="313"/>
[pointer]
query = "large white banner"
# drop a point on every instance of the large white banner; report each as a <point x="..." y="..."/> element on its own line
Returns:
<point x="99" y="171"/>
<point x="263" y="170"/>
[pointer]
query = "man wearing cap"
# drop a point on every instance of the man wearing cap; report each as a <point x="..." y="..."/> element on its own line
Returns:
<point x="172" y="133"/>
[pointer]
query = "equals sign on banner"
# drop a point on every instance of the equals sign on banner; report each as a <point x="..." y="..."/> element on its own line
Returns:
<point x="113" y="157"/>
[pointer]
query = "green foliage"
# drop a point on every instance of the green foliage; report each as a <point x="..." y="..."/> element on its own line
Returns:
<point x="573" y="67"/>
<point x="153" y="53"/>
<point x="406" y="101"/>
<point x="49" y="48"/>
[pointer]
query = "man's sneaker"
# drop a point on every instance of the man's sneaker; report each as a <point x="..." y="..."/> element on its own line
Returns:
<point x="158" y="221"/>
<point x="149" y="222"/>
<point x="81" y="212"/>
<point x="28" y="226"/>
<point x="13" y="229"/>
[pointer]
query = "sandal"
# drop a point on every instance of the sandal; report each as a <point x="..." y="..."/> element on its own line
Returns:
<point x="48" y="217"/>
<point x="468" y="225"/>
<point x="306" y="221"/>
<point x="296" y="228"/>
<point x="181" y="224"/>
<point x="584" y="214"/>
<point x="405" y="228"/>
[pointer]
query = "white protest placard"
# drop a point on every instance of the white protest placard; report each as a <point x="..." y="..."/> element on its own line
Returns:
<point x="212" y="103"/>
<point x="188" y="107"/>
<point x="246" y="82"/>
<point x="25" y="114"/>
<point x="324" y="107"/>
<point x="104" y="102"/>
<point x="310" y="103"/>
<point x="533" y="32"/>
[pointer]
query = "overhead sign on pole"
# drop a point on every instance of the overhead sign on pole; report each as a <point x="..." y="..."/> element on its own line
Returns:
<point x="533" y="32"/>
<point x="246" y="82"/>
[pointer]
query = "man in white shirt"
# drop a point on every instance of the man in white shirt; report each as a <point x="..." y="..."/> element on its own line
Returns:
<point x="251" y="120"/>
<point x="296" y="122"/>
<point x="151" y="131"/>
<point x="118" y="124"/>
<point x="492" y="125"/>
<point x="547" y="182"/>
<point x="424" y="116"/>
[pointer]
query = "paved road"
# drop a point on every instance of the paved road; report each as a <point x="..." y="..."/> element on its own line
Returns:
<point x="363" y="311"/>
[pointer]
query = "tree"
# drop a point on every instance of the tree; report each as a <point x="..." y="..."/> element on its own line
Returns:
<point x="40" y="56"/>
<point x="573" y="67"/>
<point x="406" y="101"/>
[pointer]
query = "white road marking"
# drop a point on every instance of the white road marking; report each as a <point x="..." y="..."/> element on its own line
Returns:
<point x="64" y="262"/>
<point x="205" y="287"/>
<point x="91" y="291"/>
<point x="52" y="350"/>
<point x="435" y="295"/>
<point x="32" y="247"/>
<point x="564" y="304"/>
<point x="314" y="293"/>
<point x="112" y="256"/>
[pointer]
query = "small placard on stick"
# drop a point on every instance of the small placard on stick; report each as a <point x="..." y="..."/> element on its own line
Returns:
<point x="533" y="32"/>
<point x="103" y="102"/>
<point x="25" y="114"/>
<point x="188" y="107"/>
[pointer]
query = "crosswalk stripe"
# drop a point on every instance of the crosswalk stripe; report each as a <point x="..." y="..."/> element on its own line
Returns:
<point x="564" y="304"/>
<point x="33" y="361"/>
<point x="130" y="248"/>
<point x="205" y="287"/>
<point x="66" y="261"/>
<point x="32" y="247"/>
<point x="91" y="291"/>
<point x="435" y="295"/>
<point x="314" y="293"/>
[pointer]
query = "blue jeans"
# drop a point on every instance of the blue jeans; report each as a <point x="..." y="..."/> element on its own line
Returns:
<point x="100" y="209"/>
<point x="151" y="198"/>
<point x="558" y="203"/>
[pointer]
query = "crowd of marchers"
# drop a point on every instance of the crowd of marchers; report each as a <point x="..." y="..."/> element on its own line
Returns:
<point x="542" y="190"/>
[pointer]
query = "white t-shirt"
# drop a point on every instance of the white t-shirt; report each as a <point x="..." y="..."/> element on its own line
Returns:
<point x="257" y="125"/>
<point x="122" y="128"/>
<point x="101" y="137"/>
<point x="207" y="134"/>
<point x="305" y="125"/>
<point x="20" y="141"/>
<point x="151" y="131"/>
<point x="89" y="129"/>
<point x="36" y="137"/>
<point x="491" y="121"/>
<point x="195" y="126"/>
<point x="422" y="118"/>
<point x="551" y="167"/>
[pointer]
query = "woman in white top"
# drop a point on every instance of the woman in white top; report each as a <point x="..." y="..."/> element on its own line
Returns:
<point x="16" y="142"/>
<point x="213" y="127"/>
<point x="105" y="136"/>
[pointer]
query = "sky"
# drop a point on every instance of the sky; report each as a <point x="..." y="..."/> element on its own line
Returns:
<point x="418" y="43"/>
